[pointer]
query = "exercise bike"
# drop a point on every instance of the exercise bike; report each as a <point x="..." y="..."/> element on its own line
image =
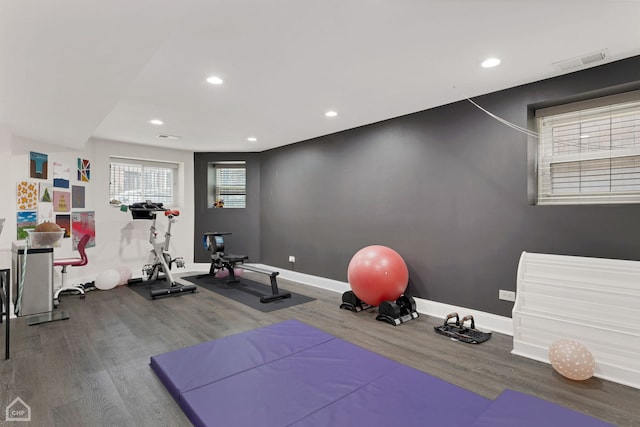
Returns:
<point x="160" y="267"/>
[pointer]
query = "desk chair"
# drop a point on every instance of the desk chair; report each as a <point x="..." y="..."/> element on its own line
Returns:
<point x="73" y="262"/>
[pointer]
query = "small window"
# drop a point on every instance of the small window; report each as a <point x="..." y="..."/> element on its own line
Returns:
<point x="133" y="181"/>
<point x="589" y="152"/>
<point x="228" y="184"/>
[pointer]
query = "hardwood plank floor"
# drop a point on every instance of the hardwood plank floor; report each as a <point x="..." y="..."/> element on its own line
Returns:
<point x="93" y="369"/>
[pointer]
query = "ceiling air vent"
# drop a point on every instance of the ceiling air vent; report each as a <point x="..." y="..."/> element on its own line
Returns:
<point x="166" y="136"/>
<point x="584" y="60"/>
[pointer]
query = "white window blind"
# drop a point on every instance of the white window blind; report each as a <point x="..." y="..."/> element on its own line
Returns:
<point x="590" y="156"/>
<point x="231" y="184"/>
<point x="133" y="181"/>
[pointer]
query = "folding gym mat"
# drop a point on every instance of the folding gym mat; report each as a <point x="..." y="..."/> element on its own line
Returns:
<point x="247" y="292"/>
<point x="513" y="408"/>
<point x="291" y="374"/>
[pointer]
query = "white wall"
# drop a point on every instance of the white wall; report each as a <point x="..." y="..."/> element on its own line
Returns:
<point x="120" y="241"/>
<point x="7" y="189"/>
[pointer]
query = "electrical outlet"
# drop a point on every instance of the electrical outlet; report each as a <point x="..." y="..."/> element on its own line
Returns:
<point x="506" y="295"/>
<point x="292" y="258"/>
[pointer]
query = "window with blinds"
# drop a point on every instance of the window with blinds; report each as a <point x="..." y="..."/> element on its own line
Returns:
<point x="133" y="181"/>
<point x="589" y="152"/>
<point x="230" y="184"/>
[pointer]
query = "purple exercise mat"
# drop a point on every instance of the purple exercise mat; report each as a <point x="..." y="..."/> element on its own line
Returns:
<point x="402" y="397"/>
<point x="288" y="389"/>
<point x="512" y="408"/>
<point x="291" y="374"/>
<point x="192" y="367"/>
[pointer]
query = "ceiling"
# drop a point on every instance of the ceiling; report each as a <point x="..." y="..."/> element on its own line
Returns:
<point x="75" y="69"/>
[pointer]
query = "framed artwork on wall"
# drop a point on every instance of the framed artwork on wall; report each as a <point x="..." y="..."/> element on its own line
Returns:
<point x="77" y="197"/>
<point x="46" y="192"/>
<point x="26" y="220"/>
<point x="61" y="201"/>
<point x="60" y="175"/>
<point x="84" y="170"/>
<point x="38" y="165"/>
<point x="64" y="221"/>
<point x="27" y="196"/>
<point x="83" y="223"/>
<point x="45" y="213"/>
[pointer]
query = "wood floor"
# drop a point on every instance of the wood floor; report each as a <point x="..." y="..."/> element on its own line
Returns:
<point x="93" y="369"/>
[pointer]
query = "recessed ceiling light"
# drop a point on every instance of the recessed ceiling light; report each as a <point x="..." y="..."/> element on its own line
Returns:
<point x="252" y="139"/>
<point x="330" y="114"/>
<point x="156" y="122"/>
<point x="214" y="80"/>
<point x="490" y="62"/>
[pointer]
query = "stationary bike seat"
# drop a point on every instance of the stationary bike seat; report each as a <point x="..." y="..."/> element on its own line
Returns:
<point x="172" y="213"/>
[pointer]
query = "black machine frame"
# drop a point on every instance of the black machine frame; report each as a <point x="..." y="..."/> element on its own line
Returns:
<point x="214" y="242"/>
<point x="160" y="269"/>
<point x="5" y="297"/>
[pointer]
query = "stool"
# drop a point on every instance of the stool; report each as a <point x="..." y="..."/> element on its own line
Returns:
<point x="73" y="262"/>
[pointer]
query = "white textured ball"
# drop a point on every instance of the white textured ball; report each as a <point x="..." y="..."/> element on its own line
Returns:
<point x="125" y="274"/>
<point x="108" y="279"/>
<point x="571" y="359"/>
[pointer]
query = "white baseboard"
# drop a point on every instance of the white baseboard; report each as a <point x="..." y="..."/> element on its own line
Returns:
<point x="484" y="321"/>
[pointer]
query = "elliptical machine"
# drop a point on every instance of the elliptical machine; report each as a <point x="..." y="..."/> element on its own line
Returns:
<point x="160" y="268"/>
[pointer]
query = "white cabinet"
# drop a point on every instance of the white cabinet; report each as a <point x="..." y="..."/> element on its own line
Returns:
<point x="595" y="301"/>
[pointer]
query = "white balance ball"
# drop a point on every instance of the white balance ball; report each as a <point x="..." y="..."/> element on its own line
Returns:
<point x="108" y="279"/>
<point x="572" y="359"/>
<point x="125" y="274"/>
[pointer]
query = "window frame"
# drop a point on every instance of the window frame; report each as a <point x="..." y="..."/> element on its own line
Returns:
<point x="589" y="162"/>
<point x="214" y="189"/>
<point x="144" y="164"/>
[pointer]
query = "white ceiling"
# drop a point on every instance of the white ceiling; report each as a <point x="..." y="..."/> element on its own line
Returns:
<point x="73" y="69"/>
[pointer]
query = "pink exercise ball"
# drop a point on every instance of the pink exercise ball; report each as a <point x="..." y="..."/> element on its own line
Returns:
<point x="376" y="274"/>
<point x="223" y="272"/>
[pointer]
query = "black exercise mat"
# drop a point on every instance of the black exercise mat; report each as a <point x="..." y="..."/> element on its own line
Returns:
<point x="143" y="289"/>
<point x="247" y="292"/>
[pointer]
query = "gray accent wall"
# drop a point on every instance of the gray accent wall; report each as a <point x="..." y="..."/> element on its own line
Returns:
<point x="244" y="224"/>
<point x="448" y="188"/>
